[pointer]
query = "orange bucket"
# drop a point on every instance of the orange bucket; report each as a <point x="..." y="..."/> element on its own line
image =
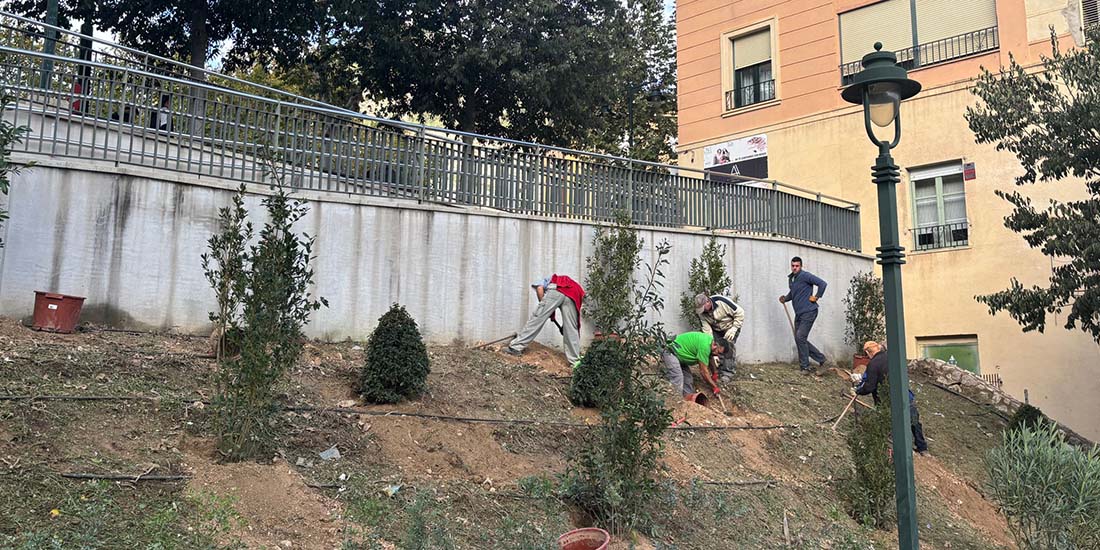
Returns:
<point x="589" y="538"/>
<point x="697" y="398"/>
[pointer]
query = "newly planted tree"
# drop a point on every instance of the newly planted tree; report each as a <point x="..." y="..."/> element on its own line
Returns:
<point x="610" y="278"/>
<point x="596" y="379"/>
<point x="708" y="276"/>
<point x="864" y="311"/>
<point x="10" y="135"/>
<point x="397" y="361"/>
<point x="869" y="493"/>
<point x="263" y="302"/>
<point x="614" y="478"/>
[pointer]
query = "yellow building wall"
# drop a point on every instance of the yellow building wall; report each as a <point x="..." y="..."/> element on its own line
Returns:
<point x="817" y="141"/>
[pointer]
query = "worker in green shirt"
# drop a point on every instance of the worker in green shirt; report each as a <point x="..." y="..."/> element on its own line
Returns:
<point x="687" y="349"/>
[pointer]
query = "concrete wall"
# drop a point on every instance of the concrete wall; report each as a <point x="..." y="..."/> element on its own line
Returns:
<point x="129" y="239"/>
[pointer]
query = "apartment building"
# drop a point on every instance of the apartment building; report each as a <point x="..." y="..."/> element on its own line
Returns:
<point x="759" y="95"/>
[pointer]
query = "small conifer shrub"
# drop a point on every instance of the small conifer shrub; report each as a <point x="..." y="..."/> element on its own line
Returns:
<point x="1026" y="416"/>
<point x="397" y="361"/>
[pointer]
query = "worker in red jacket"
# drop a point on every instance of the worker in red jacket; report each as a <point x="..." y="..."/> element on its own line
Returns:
<point x="555" y="293"/>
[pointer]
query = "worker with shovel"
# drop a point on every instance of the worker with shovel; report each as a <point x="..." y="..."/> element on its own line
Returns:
<point x="687" y="349"/>
<point x="555" y="293"/>
<point x="867" y="384"/>
<point x="719" y="314"/>
<point x="801" y="293"/>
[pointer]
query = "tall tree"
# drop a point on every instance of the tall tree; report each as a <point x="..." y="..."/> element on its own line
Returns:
<point x="525" y="69"/>
<point x="1048" y="119"/>
<point x="643" y="108"/>
<point x="271" y="30"/>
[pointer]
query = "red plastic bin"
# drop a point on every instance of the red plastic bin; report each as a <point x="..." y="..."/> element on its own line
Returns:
<point x="589" y="538"/>
<point x="56" y="312"/>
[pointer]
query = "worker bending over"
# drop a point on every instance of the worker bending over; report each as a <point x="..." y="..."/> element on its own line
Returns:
<point x="687" y="349"/>
<point x="555" y="293"/>
<point x="867" y="384"/>
<point x="720" y="314"/>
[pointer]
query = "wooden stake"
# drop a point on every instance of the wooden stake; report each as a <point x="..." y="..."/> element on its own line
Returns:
<point x="786" y="529"/>
<point x="844" y="412"/>
<point x="497" y="341"/>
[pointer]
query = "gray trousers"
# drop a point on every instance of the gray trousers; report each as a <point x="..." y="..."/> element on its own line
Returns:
<point x="678" y="373"/>
<point x="553" y="300"/>
<point x="803" y="322"/>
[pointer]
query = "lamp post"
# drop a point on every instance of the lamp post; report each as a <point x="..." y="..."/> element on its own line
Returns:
<point x="880" y="87"/>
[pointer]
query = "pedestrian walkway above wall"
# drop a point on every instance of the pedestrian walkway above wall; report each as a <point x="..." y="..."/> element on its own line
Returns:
<point x="121" y="105"/>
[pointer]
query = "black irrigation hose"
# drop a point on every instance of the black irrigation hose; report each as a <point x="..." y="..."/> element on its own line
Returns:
<point x="120" y="477"/>
<point x="346" y="410"/>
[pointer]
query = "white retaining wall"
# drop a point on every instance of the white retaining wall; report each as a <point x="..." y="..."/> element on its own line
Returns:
<point x="129" y="239"/>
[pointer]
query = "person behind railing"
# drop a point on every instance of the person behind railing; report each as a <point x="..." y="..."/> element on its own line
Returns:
<point x="128" y="114"/>
<point x="161" y="118"/>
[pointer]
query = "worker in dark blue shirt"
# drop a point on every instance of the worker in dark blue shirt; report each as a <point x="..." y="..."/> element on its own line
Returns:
<point x="868" y="383"/>
<point x="801" y="294"/>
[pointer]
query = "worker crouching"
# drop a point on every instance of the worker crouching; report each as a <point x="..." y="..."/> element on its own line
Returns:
<point x="687" y="349"/>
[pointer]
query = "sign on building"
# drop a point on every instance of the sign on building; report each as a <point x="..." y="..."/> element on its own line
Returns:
<point x="744" y="157"/>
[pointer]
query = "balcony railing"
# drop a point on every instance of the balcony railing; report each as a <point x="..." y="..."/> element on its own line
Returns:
<point x="124" y="109"/>
<point x="948" y="235"/>
<point x="934" y="53"/>
<point x="749" y="95"/>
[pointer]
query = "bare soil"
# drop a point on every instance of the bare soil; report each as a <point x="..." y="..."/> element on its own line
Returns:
<point x="471" y="473"/>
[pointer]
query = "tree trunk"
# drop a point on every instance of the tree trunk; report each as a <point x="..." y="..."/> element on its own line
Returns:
<point x="200" y="43"/>
<point x="467" y="122"/>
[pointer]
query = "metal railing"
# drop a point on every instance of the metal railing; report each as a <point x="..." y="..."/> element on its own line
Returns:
<point x="749" y="95"/>
<point x="948" y="235"/>
<point x="110" y="110"/>
<point x="933" y="53"/>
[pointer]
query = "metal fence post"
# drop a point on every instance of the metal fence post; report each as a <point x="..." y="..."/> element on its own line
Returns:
<point x="630" y="189"/>
<point x="775" y="208"/>
<point x="422" y="161"/>
<point x="820" y="220"/>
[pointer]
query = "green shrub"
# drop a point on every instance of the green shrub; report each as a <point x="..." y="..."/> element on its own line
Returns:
<point x="864" y="311"/>
<point x="10" y="135"/>
<point x="263" y="302"/>
<point x="599" y="374"/>
<point x="1026" y="416"/>
<point x="397" y="361"/>
<point x="870" y="492"/>
<point x="614" y="477"/>
<point x="1048" y="489"/>
<point x="610" y="277"/>
<point x="707" y="276"/>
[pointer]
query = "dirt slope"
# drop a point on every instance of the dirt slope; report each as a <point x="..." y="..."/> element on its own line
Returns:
<point x="473" y="485"/>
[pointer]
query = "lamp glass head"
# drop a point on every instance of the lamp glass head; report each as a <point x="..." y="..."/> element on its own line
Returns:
<point x="883" y="99"/>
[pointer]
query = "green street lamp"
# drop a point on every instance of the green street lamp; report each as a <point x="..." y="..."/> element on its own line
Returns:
<point x="881" y="87"/>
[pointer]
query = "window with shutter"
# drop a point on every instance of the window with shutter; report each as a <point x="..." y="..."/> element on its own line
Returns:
<point x="752" y="75"/>
<point x="939" y="207"/>
<point x="944" y="30"/>
<point x="1090" y="12"/>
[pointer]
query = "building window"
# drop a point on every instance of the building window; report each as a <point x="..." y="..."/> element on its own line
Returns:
<point x="937" y="31"/>
<point x="752" y="80"/>
<point x="939" y="207"/>
<point x="961" y="351"/>
<point x="1090" y="12"/>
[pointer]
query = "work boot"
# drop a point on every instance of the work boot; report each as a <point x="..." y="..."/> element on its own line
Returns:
<point x="511" y="351"/>
<point x="807" y="371"/>
<point x="725" y="379"/>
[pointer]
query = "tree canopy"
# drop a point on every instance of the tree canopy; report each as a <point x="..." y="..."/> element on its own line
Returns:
<point x="1048" y="120"/>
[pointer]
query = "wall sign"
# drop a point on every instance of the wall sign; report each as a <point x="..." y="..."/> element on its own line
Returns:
<point x="745" y="157"/>
<point x="969" y="172"/>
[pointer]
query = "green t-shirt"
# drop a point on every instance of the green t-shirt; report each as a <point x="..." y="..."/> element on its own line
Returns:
<point x="693" y="347"/>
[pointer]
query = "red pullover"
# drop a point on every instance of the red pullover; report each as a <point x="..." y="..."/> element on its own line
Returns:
<point x="573" y="290"/>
